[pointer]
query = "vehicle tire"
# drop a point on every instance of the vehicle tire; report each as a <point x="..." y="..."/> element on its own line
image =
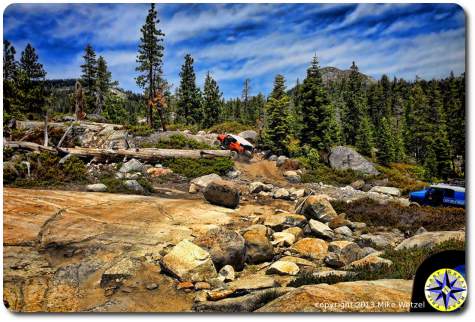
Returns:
<point x="414" y="204"/>
<point x="234" y="155"/>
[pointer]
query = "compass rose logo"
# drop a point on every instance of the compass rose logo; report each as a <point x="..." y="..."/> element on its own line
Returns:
<point x="446" y="290"/>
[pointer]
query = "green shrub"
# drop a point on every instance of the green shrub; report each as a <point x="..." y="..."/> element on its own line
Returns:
<point x="74" y="169"/>
<point x="405" y="264"/>
<point x="406" y="177"/>
<point x="310" y="158"/>
<point x="325" y="174"/>
<point x="113" y="184"/>
<point x="229" y="127"/>
<point x="193" y="128"/>
<point x="45" y="170"/>
<point x="140" y="130"/>
<point x="192" y="168"/>
<point x="403" y="218"/>
<point x="178" y="141"/>
<point x="146" y="185"/>
<point x="294" y="148"/>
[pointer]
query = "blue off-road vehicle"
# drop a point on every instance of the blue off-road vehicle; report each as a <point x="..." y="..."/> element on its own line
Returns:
<point x="439" y="195"/>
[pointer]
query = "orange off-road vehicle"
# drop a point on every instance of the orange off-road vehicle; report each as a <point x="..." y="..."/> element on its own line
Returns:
<point x="235" y="143"/>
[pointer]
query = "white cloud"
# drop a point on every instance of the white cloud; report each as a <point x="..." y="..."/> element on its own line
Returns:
<point x="256" y="56"/>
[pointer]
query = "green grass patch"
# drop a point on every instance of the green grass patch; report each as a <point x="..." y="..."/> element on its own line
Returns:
<point x="192" y="168"/>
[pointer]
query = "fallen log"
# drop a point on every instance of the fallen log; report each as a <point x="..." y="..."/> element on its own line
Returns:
<point x="146" y="154"/>
<point x="28" y="146"/>
<point x="93" y="126"/>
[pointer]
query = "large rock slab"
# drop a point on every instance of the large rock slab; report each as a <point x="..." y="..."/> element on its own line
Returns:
<point x="246" y="303"/>
<point x="283" y="268"/>
<point x="226" y="247"/>
<point x="313" y="248"/>
<point x="394" y="296"/>
<point x="380" y="241"/>
<point x="284" y="220"/>
<point x="430" y="239"/>
<point x="96" y="187"/>
<point x="320" y="229"/>
<point x="258" y="246"/>
<point x="343" y="158"/>
<point x="134" y="186"/>
<point x="343" y="253"/>
<point x="133" y="165"/>
<point x="317" y="207"/>
<point x="371" y="263"/>
<point x="283" y="239"/>
<point x="391" y="191"/>
<point x="123" y="269"/>
<point x="222" y="193"/>
<point x="189" y="262"/>
<point x="198" y="184"/>
<point x="249" y="135"/>
<point x="252" y="282"/>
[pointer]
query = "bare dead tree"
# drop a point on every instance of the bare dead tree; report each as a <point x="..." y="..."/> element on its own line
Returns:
<point x="79" y="102"/>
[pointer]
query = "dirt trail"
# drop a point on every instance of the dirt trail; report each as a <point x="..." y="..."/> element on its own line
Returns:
<point x="262" y="170"/>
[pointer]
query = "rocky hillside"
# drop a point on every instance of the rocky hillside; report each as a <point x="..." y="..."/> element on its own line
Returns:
<point x="331" y="74"/>
<point x="203" y="233"/>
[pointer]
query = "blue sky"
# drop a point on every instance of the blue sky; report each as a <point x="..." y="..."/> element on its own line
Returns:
<point x="256" y="41"/>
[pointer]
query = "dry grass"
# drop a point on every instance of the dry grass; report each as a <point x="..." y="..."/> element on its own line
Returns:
<point x="404" y="218"/>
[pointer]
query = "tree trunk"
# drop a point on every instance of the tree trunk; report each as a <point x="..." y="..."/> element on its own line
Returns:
<point x="146" y="154"/>
<point x="45" y="143"/>
<point x="28" y="146"/>
<point x="162" y="119"/>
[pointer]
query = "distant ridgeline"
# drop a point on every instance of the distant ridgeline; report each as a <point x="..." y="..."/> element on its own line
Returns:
<point x="60" y="83"/>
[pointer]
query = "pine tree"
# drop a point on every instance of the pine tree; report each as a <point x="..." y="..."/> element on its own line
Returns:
<point x="277" y="127"/>
<point x="364" y="142"/>
<point x="89" y="71"/>
<point x="30" y="65"/>
<point x="355" y="109"/>
<point x="454" y="106"/>
<point x="103" y="83"/>
<point x="419" y="131"/>
<point x="386" y="97"/>
<point x="386" y="144"/>
<point x="150" y="59"/>
<point x="430" y="162"/>
<point x="34" y="95"/>
<point x="316" y="110"/>
<point x="398" y="141"/>
<point x="279" y="88"/>
<point x="11" y="90"/>
<point x="441" y="148"/>
<point x="104" y="77"/>
<point x="258" y="103"/>
<point x="9" y="63"/>
<point x="212" y="98"/>
<point x="189" y="95"/>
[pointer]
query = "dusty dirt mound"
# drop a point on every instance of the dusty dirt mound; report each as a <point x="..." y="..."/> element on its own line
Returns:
<point x="261" y="170"/>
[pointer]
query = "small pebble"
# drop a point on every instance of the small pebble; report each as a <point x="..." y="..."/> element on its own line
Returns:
<point x="151" y="286"/>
